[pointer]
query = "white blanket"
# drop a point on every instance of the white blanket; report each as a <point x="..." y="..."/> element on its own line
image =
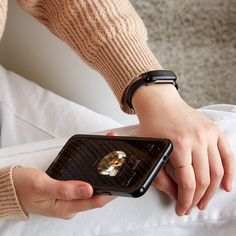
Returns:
<point x="152" y="214"/>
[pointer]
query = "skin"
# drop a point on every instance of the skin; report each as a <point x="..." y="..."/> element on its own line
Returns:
<point x="202" y="158"/>
<point x="40" y="194"/>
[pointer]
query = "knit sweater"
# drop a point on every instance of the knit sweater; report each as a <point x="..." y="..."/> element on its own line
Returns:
<point x="107" y="34"/>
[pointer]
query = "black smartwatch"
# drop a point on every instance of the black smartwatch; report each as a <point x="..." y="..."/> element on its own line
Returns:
<point x="151" y="77"/>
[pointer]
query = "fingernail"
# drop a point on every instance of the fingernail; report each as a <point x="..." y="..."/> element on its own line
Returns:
<point x="228" y="188"/>
<point x="84" y="191"/>
<point x="201" y="206"/>
<point x="188" y="212"/>
<point x="179" y="211"/>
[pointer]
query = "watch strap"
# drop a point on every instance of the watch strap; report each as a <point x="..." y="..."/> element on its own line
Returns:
<point x="148" y="78"/>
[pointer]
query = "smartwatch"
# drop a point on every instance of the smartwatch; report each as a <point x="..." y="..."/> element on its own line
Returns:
<point x="148" y="78"/>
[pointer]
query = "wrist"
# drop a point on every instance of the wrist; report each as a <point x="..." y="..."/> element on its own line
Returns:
<point x="149" y="99"/>
<point x="10" y="205"/>
<point x="149" y="78"/>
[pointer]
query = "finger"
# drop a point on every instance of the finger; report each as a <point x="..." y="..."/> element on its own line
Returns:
<point x="165" y="183"/>
<point x="227" y="161"/>
<point x="68" y="190"/>
<point x="181" y="160"/>
<point x="216" y="174"/>
<point x="67" y="209"/>
<point x="186" y="187"/>
<point x="111" y="133"/>
<point x="97" y="201"/>
<point x="202" y="173"/>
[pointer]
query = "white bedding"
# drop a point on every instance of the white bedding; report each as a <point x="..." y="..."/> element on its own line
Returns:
<point x="152" y="214"/>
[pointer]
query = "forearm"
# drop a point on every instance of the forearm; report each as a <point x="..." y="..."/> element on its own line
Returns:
<point x="107" y="34"/>
<point x="9" y="204"/>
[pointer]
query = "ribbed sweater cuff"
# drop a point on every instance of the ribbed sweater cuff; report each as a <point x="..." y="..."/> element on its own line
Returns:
<point x="9" y="205"/>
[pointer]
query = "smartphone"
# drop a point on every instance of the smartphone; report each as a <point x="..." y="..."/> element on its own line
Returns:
<point x="113" y="165"/>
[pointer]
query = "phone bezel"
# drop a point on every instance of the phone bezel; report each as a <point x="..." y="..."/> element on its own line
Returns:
<point x="126" y="192"/>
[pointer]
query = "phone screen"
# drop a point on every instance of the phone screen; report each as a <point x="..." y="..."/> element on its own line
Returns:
<point x="112" y="165"/>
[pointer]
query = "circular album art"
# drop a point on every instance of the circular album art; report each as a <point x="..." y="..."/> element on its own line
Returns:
<point x="112" y="163"/>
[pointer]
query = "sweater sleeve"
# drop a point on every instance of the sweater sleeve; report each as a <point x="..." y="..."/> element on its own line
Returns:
<point x="3" y="15"/>
<point x="9" y="205"/>
<point x="107" y="34"/>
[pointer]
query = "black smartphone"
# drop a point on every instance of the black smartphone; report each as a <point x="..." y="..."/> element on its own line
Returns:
<point x="113" y="165"/>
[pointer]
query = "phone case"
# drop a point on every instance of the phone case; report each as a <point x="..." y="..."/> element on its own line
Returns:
<point x="113" y="165"/>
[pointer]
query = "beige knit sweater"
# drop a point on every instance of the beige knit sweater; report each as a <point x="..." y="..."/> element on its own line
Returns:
<point x="107" y="34"/>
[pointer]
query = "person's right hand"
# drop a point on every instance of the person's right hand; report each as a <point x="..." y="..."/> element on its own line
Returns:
<point x="40" y="194"/>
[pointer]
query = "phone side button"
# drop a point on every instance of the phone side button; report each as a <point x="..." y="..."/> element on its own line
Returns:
<point x="165" y="158"/>
<point x="105" y="193"/>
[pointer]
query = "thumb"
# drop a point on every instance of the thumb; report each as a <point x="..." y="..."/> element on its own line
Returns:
<point x="68" y="190"/>
<point x="165" y="183"/>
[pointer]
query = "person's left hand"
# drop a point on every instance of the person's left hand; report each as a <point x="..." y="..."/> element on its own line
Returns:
<point x="202" y="158"/>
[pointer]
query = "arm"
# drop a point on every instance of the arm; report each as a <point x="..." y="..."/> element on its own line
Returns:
<point x="112" y="39"/>
<point x="107" y="34"/>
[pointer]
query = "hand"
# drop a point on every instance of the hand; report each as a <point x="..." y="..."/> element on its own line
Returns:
<point x="40" y="194"/>
<point x="202" y="158"/>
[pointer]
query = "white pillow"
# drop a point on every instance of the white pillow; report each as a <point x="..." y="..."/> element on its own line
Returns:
<point x="30" y="113"/>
